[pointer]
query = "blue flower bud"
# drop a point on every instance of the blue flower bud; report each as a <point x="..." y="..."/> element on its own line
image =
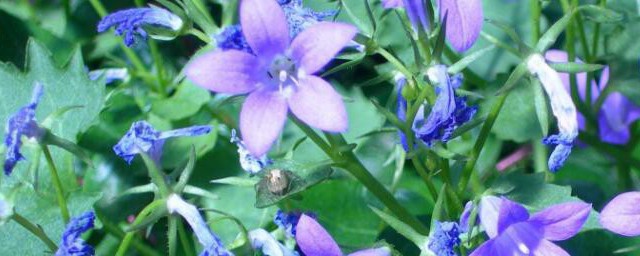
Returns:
<point x="153" y="21"/>
<point x="72" y="244"/>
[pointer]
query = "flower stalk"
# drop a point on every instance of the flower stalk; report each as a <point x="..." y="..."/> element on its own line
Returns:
<point x="62" y="202"/>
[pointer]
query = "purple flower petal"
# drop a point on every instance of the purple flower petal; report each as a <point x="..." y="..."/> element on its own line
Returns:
<point x="497" y="214"/>
<point x="382" y="251"/>
<point x="228" y="71"/>
<point x="613" y="119"/>
<point x="519" y="239"/>
<point x="546" y="248"/>
<point x="262" y="117"/>
<point x="392" y="4"/>
<point x="313" y="239"/>
<point x="464" y="218"/>
<point x="562" y="221"/>
<point x="315" y="46"/>
<point x="264" y="26"/>
<point x="464" y="22"/>
<point x="417" y="14"/>
<point x="622" y="214"/>
<point x="316" y="103"/>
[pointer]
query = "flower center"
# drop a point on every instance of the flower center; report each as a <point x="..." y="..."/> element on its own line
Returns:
<point x="284" y="73"/>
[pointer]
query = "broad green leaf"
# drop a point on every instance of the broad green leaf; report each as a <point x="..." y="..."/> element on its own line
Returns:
<point x="41" y="209"/>
<point x="517" y="120"/>
<point x="186" y="102"/>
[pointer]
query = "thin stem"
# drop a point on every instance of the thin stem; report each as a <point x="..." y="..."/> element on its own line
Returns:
<point x="114" y="230"/>
<point x="62" y="202"/>
<point x="422" y="171"/>
<point x="35" y="230"/>
<point x="482" y="138"/>
<point x="200" y="35"/>
<point x="184" y="240"/>
<point x="172" y="235"/>
<point x="128" y="237"/>
<point x="536" y="11"/>
<point x="394" y="61"/>
<point x="158" y="61"/>
<point x="348" y="161"/>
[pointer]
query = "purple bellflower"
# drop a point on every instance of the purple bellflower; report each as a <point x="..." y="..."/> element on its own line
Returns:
<point x="447" y="113"/>
<point x="268" y="245"/>
<point x="513" y="232"/>
<point x="211" y="244"/>
<point x="313" y="239"/>
<point x="617" y="112"/>
<point x="279" y="76"/>
<point x="622" y="214"/>
<point x="142" y="137"/>
<point x="445" y="237"/>
<point x="248" y="162"/>
<point x="464" y="22"/>
<point x="562" y="107"/>
<point x="153" y="21"/>
<point x="21" y="123"/>
<point x="72" y="244"/>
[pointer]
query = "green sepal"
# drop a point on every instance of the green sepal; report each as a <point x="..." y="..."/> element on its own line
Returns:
<point x="402" y="228"/>
<point x="575" y="67"/>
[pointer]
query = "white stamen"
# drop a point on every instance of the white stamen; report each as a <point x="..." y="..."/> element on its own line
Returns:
<point x="523" y="248"/>
<point x="283" y="76"/>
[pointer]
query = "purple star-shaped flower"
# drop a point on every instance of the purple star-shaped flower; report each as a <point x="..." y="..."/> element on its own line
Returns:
<point x="72" y="244"/>
<point x="313" y="239"/>
<point x="617" y="112"/>
<point x="622" y="214"/>
<point x="279" y="76"/>
<point x="513" y="232"/>
<point x="21" y="123"/>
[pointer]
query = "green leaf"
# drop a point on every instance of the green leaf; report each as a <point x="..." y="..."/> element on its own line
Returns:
<point x="540" y="103"/>
<point x="574" y="67"/>
<point x="401" y="227"/>
<point x="600" y="14"/>
<point x="513" y="79"/>
<point x="550" y="37"/>
<point x="286" y="178"/>
<point x="41" y="209"/>
<point x="187" y="101"/>
<point x="467" y="60"/>
<point x="520" y="122"/>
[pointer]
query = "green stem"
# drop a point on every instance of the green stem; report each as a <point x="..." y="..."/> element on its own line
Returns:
<point x="62" y="202"/>
<point x="172" y="234"/>
<point x="536" y="11"/>
<point x="128" y="237"/>
<point x="348" y="161"/>
<point x="482" y="138"/>
<point x="184" y="240"/>
<point x="158" y="61"/>
<point x="394" y="61"/>
<point x="114" y="230"/>
<point x="422" y="171"/>
<point x="35" y="230"/>
<point x="200" y="35"/>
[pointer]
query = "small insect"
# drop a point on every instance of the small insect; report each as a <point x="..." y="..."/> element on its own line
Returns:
<point x="277" y="181"/>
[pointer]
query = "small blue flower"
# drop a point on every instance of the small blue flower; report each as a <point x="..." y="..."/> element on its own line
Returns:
<point x="445" y="237"/>
<point x="288" y="221"/>
<point x="21" y="123"/>
<point x="231" y="38"/>
<point x="248" y="162"/>
<point x="447" y="113"/>
<point x="110" y="74"/>
<point x="210" y="242"/>
<point x="160" y="23"/>
<point x="142" y="137"/>
<point x="72" y="244"/>
<point x="299" y="17"/>
<point x="562" y="107"/>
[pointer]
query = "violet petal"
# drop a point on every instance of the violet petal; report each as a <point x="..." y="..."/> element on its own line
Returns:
<point x="382" y="251"/>
<point x="313" y="239"/>
<point x="518" y="239"/>
<point x="392" y="3"/>
<point x="417" y="14"/>
<point x="230" y="71"/>
<point x="546" y="248"/>
<point x="264" y="26"/>
<point x="262" y="118"/>
<point x="622" y="214"/>
<point x="497" y="214"/>
<point x="464" y="22"/>
<point x="316" y="103"/>
<point x="562" y="221"/>
<point x="315" y="46"/>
